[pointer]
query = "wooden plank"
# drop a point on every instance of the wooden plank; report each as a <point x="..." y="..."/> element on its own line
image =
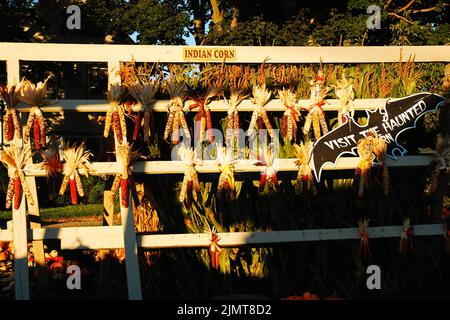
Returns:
<point x="12" y="70"/>
<point x="6" y="236"/>
<point x="112" y="237"/>
<point x="21" y="278"/>
<point x="274" y="105"/>
<point x="105" y="256"/>
<point x="81" y="237"/>
<point x="131" y="253"/>
<point x="244" y="165"/>
<point x="257" y="238"/>
<point x="244" y="54"/>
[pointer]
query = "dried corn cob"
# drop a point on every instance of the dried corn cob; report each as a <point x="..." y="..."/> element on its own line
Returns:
<point x="316" y="115"/>
<point x="365" y="151"/>
<point x="73" y="191"/>
<point x="226" y="178"/>
<point x="214" y="249"/>
<point x="17" y="192"/>
<point x="268" y="175"/>
<point x="136" y="125"/>
<point x="115" y="116"/>
<point x="380" y="149"/>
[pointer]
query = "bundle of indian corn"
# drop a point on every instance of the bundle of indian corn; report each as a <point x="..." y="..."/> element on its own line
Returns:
<point x="232" y="133"/>
<point x="268" y="174"/>
<point x="203" y="118"/>
<point x="190" y="185"/>
<point x="259" y="116"/>
<point x="291" y="116"/>
<point x="316" y="115"/>
<point x="15" y="159"/>
<point x="76" y="160"/>
<point x="11" y="127"/>
<point x="305" y="179"/>
<point x="144" y="93"/>
<point x="176" y="121"/>
<point x="34" y="95"/>
<point x="115" y="115"/>
<point x="345" y="94"/>
<point x="226" y="178"/>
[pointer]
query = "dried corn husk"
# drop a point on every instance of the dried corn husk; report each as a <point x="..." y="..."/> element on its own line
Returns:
<point x="144" y="93"/>
<point x="76" y="159"/>
<point x="380" y="150"/>
<point x="214" y="248"/>
<point x="364" y="246"/>
<point x="203" y="118"/>
<point x="260" y="97"/>
<point x="407" y="232"/>
<point x="190" y="186"/>
<point x="115" y="116"/>
<point x="232" y="134"/>
<point x="316" y="115"/>
<point x="305" y="179"/>
<point x="15" y="159"/>
<point x="269" y="174"/>
<point x="11" y="128"/>
<point x="176" y="119"/>
<point x="365" y="151"/>
<point x="123" y="179"/>
<point x="345" y="94"/>
<point x="291" y="116"/>
<point x="34" y="95"/>
<point x="226" y="178"/>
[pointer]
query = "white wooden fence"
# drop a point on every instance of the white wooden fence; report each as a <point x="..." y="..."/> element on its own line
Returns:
<point x="124" y="237"/>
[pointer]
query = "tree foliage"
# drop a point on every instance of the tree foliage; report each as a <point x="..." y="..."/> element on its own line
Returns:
<point x="234" y="22"/>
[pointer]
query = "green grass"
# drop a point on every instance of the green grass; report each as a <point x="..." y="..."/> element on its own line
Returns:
<point x="85" y="210"/>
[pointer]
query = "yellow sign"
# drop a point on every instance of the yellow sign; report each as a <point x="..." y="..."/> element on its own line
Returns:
<point x="208" y="54"/>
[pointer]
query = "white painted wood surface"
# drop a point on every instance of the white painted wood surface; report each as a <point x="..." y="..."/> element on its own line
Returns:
<point x="99" y="105"/>
<point x="245" y="165"/>
<point x="244" y="54"/>
<point x="21" y="277"/>
<point x="112" y="237"/>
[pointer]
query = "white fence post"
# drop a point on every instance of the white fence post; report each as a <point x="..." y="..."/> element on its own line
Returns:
<point x="20" y="252"/>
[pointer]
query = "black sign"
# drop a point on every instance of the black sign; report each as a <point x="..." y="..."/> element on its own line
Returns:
<point x="388" y="124"/>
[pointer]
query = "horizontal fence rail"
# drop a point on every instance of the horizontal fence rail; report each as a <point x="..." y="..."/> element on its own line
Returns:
<point x="244" y="54"/>
<point x="215" y="106"/>
<point x="245" y="165"/>
<point x="112" y="238"/>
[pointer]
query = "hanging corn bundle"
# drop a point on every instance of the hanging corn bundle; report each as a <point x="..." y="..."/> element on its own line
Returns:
<point x="144" y="93"/>
<point x="190" y="185"/>
<point x="316" y="115"/>
<point x="259" y="116"/>
<point x="226" y="178"/>
<point x="305" y="179"/>
<point x="214" y="248"/>
<point x="269" y="174"/>
<point x="365" y="151"/>
<point x="407" y="233"/>
<point x="115" y="115"/>
<point x="345" y="94"/>
<point x="176" y="119"/>
<point x="11" y="127"/>
<point x="34" y="95"/>
<point x="364" y="247"/>
<point x="76" y="159"/>
<point x="51" y="165"/>
<point x="291" y="116"/>
<point x="124" y="179"/>
<point x="232" y="134"/>
<point x="440" y="163"/>
<point x="15" y="159"/>
<point x="380" y="150"/>
<point x="203" y="118"/>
